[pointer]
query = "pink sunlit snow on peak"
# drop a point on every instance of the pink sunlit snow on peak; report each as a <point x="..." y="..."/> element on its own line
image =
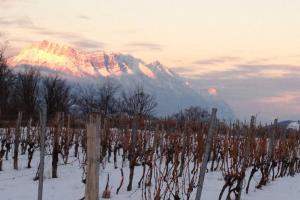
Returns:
<point x="212" y="91"/>
<point x="146" y="71"/>
<point x="63" y="58"/>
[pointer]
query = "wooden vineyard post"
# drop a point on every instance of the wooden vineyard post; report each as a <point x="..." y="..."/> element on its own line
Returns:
<point x="132" y="154"/>
<point x="271" y="140"/>
<point x="184" y="147"/>
<point x="93" y="159"/>
<point x="250" y="135"/>
<point x="17" y="140"/>
<point x="55" y="151"/>
<point x="206" y="153"/>
<point x="67" y="138"/>
<point x="43" y="115"/>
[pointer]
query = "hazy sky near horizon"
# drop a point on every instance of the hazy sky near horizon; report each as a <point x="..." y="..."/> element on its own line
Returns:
<point x="249" y="50"/>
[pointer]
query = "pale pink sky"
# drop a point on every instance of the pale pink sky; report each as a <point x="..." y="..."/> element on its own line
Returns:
<point x="248" y="49"/>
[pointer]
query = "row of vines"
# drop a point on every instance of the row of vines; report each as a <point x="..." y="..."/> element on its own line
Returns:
<point x="169" y="152"/>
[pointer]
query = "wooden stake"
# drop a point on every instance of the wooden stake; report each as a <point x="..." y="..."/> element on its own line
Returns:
<point x="43" y="115"/>
<point x="55" y="151"/>
<point x="93" y="160"/>
<point x="206" y="153"/>
<point x="247" y="154"/>
<point x="17" y="140"/>
<point x="271" y="140"/>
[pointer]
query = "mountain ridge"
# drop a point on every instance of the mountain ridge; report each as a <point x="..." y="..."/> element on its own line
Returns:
<point x="172" y="91"/>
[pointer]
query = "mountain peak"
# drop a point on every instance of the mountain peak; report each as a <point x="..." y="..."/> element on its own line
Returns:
<point x="54" y="48"/>
<point x="45" y="44"/>
<point x="156" y="63"/>
<point x="62" y="58"/>
<point x="172" y="91"/>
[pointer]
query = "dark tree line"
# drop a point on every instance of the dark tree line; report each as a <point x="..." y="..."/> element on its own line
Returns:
<point x="27" y="90"/>
<point x="6" y="81"/>
<point x="100" y="98"/>
<point x="192" y="113"/>
<point x="57" y="96"/>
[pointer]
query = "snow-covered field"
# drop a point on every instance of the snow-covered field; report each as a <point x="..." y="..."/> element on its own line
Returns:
<point x="19" y="185"/>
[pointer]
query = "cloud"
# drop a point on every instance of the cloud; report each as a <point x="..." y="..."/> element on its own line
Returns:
<point x="290" y="97"/>
<point x="248" y="93"/>
<point x="5" y="4"/>
<point x="216" y="60"/>
<point x="83" y="17"/>
<point x="242" y="71"/>
<point x="284" y="105"/>
<point x="261" y="60"/>
<point x="137" y="46"/>
<point x="22" y="22"/>
<point x="88" y="44"/>
<point x="272" y="90"/>
<point x="251" y="87"/>
<point x="63" y="35"/>
<point x="183" y="69"/>
<point x="13" y="1"/>
<point x="211" y="65"/>
<point x="236" y="67"/>
<point x="26" y="23"/>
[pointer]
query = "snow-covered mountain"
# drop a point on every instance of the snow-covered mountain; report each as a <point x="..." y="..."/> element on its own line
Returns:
<point x="172" y="91"/>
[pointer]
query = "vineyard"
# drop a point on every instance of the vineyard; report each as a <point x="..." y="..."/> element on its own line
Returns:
<point x="149" y="100"/>
<point x="146" y="158"/>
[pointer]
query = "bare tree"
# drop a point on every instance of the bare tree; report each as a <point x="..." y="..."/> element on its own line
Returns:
<point x="57" y="95"/>
<point x="88" y="100"/>
<point x="196" y="113"/>
<point x="107" y="93"/>
<point x="26" y="91"/>
<point x="6" y="83"/>
<point x="99" y="98"/>
<point x="137" y="103"/>
<point x="192" y="113"/>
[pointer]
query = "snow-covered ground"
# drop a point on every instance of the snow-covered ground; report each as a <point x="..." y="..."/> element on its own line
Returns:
<point x="19" y="185"/>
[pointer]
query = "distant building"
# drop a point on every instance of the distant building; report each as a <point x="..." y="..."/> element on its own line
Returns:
<point x="294" y="125"/>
